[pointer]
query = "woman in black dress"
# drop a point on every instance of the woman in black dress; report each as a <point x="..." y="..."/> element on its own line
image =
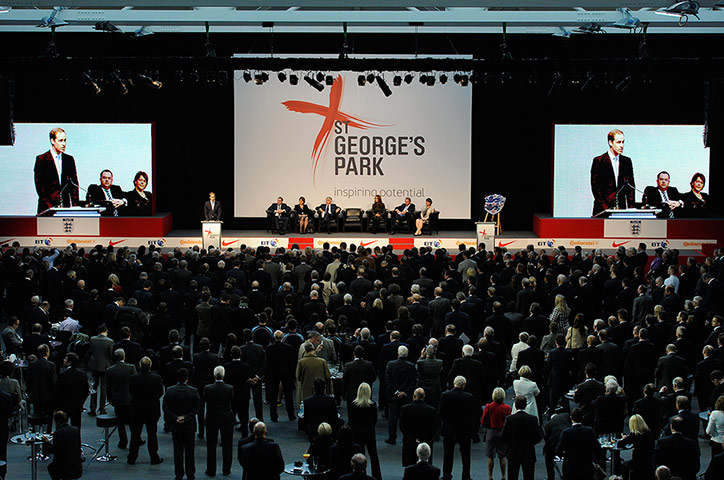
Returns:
<point x="363" y="418"/>
<point x="377" y="213"/>
<point x="303" y="212"/>
<point x="696" y="202"/>
<point x="139" y="200"/>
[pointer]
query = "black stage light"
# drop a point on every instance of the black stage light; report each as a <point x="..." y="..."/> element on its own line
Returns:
<point x="383" y="86"/>
<point x="624" y="84"/>
<point x="329" y="80"/>
<point x="456" y="78"/>
<point x="431" y="80"/>
<point x="443" y="79"/>
<point x="247" y="77"/>
<point x="179" y="76"/>
<point x="194" y="76"/>
<point x="282" y="76"/>
<point x="555" y="83"/>
<point x="423" y="78"/>
<point x="320" y="77"/>
<point x="313" y="83"/>
<point x="370" y="77"/>
<point x="261" y="78"/>
<point x="464" y="80"/>
<point x="115" y="77"/>
<point x="211" y="77"/>
<point x="148" y="81"/>
<point x="397" y="81"/>
<point x="293" y="79"/>
<point x="106" y="26"/>
<point x="361" y="80"/>
<point x="90" y="82"/>
<point x="408" y="78"/>
<point x="223" y="78"/>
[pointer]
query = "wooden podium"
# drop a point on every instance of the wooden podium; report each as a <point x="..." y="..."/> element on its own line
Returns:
<point x="211" y="233"/>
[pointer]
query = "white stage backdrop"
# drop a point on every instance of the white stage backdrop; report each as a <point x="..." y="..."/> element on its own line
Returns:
<point x="350" y="143"/>
<point x="677" y="149"/>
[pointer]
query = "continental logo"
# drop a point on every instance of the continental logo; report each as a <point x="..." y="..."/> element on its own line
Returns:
<point x="465" y="242"/>
<point x="590" y="243"/>
<point x="189" y="242"/>
<point x="83" y="241"/>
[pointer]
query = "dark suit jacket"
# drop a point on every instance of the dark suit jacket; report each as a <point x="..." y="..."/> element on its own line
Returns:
<point x="652" y="196"/>
<point x="66" y="452"/>
<point x="678" y="453"/>
<point x="261" y="460"/>
<point x="521" y="433"/>
<point x="212" y="213"/>
<point x="182" y="400"/>
<point x="118" y="379"/>
<point x="146" y="390"/>
<point x="317" y="409"/>
<point x="356" y="372"/>
<point x="218" y="397"/>
<point x="457" y="412"/>
<point x="72" y="390"/>
<point x="668" y="368"/>
<point x="356" y="476"/>
<point x="132" y="349"/>
<point x="48" y="182"/>
<point x="280" y="361"/>
<point x="604" y="186"/>
<point x="421" y="471"/>
<point x="40" y="382"/>
<point x="579" y="446"/>
<point x="97" y="196"/>
<point x="400" y="375"/>
<point x="474" y="374"/>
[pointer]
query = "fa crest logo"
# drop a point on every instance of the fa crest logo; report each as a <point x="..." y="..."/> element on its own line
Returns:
<point x="68" y="225"/>
<point x="635" y="227"/>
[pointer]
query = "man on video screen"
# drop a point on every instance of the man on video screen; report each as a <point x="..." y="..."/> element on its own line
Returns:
<point x="664" y="196"/>
<point x="611" y="176"/>
<point x="106" y="194"/>
<point x="55" y="173"/>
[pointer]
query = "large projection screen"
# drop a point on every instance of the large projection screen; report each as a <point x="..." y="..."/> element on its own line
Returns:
<point x="125" y="149"/>
<point x="676" y="149"/>
<point x="351" y="143"/>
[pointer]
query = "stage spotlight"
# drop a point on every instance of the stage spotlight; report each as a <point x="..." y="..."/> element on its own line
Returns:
<point x="431" y="80"/>
<point x="261" y="78"/>
<point x="681" y="10"/>
<point x="313" y="83"/>
<point x="329" y="80"/>
<point x="293" y="79"/>
<point x="464" y="79"/>
<point x="282" y="76"/>
<point x="555" y="83"/>
<point x="194" y="76"/>
<point x="443" y="79"/>
<point x="370" y="77"/>
<point x="141" y="32"/>
<point x="178" y="75"/>
<point x="106" y="26"/>
<point x="423" y="79"/>
<point x="150" y="82"/>
<point x="361" y="80"/>
<point x="90" y="82"/>
<point x="247" y="77"/>
<point x="408" y="78"/>
<point x="456" y="78"/>
<point x="590" y="83"/>
<point x="624" y="84"/>
<point x="383" y="86"/>
<point x="53" y="20"/>
<point x="488" y="78"/>
<point x="533" y="78"/>
<point x="223" y="78"/>
<point x="474" y="77"/>
<point x="505" y="78"/>
<point x="397" y="80"/>
<point x="211" y="77"/>
<point x="115" y="77"/>
<point x="320" y="77"/>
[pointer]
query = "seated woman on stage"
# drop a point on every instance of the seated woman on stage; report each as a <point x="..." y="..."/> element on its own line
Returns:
<point x="139" y="200"/>
<point x="378" y="213"/>
<point x="303" y="212"/>
<point x="696" y="202"/>
<point x="424" y="216"/>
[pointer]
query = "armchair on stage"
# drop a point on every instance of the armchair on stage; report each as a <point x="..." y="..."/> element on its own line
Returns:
<point x="383" y="223"/>
<point x="432" y="222"/>
<point x="352" y="217"/>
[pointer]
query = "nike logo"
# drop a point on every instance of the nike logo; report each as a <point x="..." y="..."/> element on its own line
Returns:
<point x="616" y="245"/>
<point x="501" y="244"/>
<point x="224" y="243"/>
<point x="363" y="244"/>
<point x="2" y="242"/>
<point x="113" y="244"/>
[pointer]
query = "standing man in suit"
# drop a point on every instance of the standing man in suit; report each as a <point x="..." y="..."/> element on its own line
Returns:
<point x="357" y="371"/>
<point x="146" y="390"/>
<point x="118" y="379"/>
<point x="55" y="171"/>
<point x="403" y="214"/>
<point x="72" y="389"/>
<point x="40" y="382"/>
<point x="204" y="363"/>
<point x="66" y="450"/>
<point x="676" y="451"/>
<point x="400" y="378"/>
<point x="101" y="353"/>
<point x="106" y="194"/>
<point x="521" y="433"/>
<point x="212" y="208"/>
<point x="457" y="410"/>
<point x="328" y="211"/>
<point x="219" y="419"/>
<point x="181" y="404"/>
<point x="280" y="360"/>
<point x="669" y="367"/>
<point x="418" y="424"/>
<point x="255" y="356"/>
<point x="236" y="375"/>
<point x="280" y="211"/>
<point x="422" y="470"/>
<point x="579" y="447"/>
<point x="611" y="172"/>
<point x="262" y="458"/>
<point x="664" y="196"/>
<point x="474" y="375"/>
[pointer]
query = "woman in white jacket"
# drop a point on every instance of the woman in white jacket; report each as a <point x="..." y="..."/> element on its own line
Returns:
<point x="527" y="387"/>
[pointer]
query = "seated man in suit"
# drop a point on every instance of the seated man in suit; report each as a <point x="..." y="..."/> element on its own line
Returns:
<point x="280" y="212"/>
<point x="403" y="214"/>
<point x="328" y="212"/>
<point x="107" y="195"/>
<point x="664" y="196"/>
<point x="212" y="208"/>
<point x="422" y="470"/>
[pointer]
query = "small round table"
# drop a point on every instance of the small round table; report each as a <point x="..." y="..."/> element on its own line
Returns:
<point x="307" y="472"/>
<point x="611" y="444"/>
<point x="34" y="440"/>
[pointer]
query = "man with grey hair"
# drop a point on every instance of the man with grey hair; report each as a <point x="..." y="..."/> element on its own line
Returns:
<point x="219" y="419"/>
<point x="474" y="373"/>
<point x="400" y="379"/>
<point x="359" y="467"/>
<point x="422" y="470"/>
<point x="457" y="413"/>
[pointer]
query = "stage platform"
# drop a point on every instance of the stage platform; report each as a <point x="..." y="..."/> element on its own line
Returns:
<point x="694" y="236"/>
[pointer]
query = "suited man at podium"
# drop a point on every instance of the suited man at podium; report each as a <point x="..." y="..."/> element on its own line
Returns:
<point x="612" y="176"/>
<point x="212" y="208"/>
<point x="55" y="172"/>
<point x="664" y="196"/>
